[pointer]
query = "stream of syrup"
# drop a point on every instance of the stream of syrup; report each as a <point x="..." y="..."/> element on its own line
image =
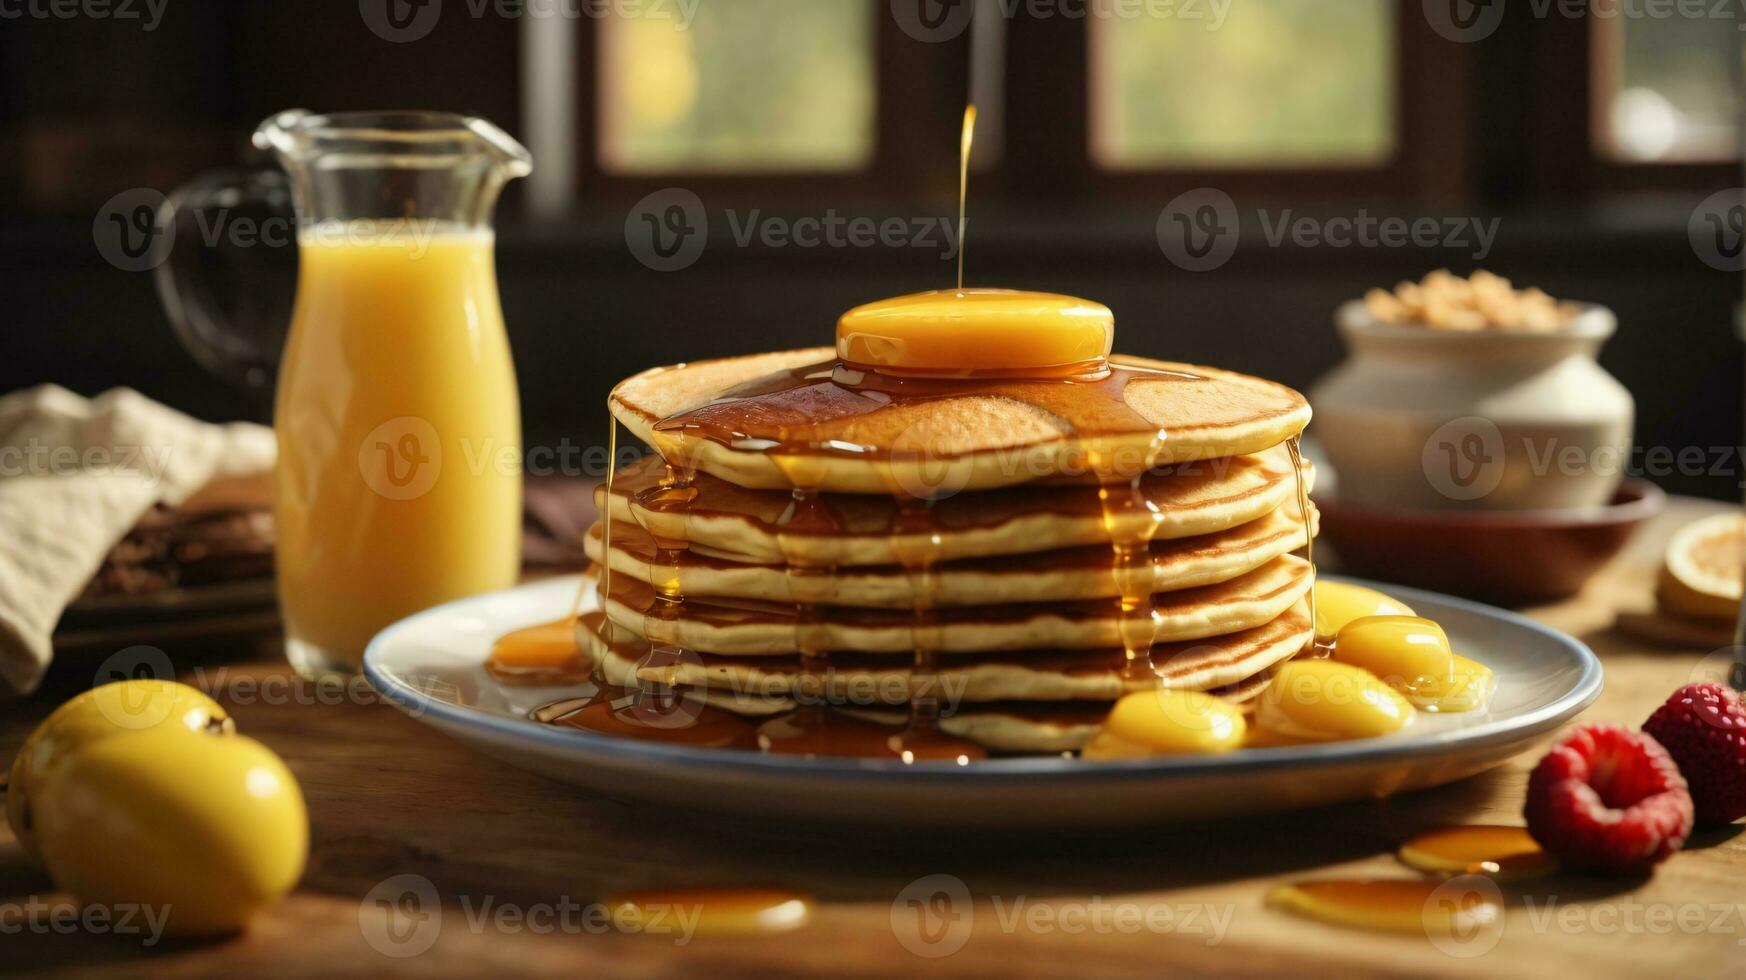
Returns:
<point x="1318" y="645"/>
<point x="966" y="138"/>
<point x="1132" y="520"/>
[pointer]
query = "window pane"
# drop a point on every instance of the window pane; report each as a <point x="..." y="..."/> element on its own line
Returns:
<point x="747" y="85"/>
<point x="1668" y="88"/>
<point x="1293" y="82"/>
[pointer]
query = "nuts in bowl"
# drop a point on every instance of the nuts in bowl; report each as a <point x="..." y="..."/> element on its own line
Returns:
<point x="1445" y="301"/>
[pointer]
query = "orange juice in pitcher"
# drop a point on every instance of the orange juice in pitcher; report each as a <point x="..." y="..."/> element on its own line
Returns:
<point x="399" y="479"/>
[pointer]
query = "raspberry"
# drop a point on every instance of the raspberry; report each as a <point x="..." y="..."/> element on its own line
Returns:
<point x="1703" y="727"/>
<point x="1606" y="798"/>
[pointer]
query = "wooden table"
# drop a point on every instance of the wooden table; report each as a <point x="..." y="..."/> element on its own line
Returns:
<point x="388" y="797"/>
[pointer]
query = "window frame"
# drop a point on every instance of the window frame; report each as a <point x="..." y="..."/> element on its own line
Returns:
<point x="1602" y="43"/>
<point x="1451" y="101"/>
<point x="1427" y="161"/>
<point x="1558" y="155"/>
<point x="916" y="91"/>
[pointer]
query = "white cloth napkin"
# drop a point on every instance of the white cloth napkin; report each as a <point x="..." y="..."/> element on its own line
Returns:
<point x="76" y="474"/>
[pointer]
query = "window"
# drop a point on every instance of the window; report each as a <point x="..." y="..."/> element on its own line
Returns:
<point x="825" y="100"/>
<point x="1666" y="89"/>
<point x="752" y="85"/>
<point x="1276" y="82"/>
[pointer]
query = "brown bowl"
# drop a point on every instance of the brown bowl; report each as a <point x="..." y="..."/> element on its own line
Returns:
<point x="1506" y="557"/>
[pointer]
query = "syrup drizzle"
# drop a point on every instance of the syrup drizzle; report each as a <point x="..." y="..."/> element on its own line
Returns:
<point x="1318" y="645"/>
<point x="965" y="139"/>
<point x="812" y="729"/>
<point x="1132" y="520"/>
<point x="605" y="510"/>
<point x="671" y="495"/>
<point x="649" y="716"/>
<point x="917" y="546"/>
<point x="869" y="520"/>
<point x="829" y="408"/>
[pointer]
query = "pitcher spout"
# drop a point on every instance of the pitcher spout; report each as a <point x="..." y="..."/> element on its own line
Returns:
<point x="372" y="165"/>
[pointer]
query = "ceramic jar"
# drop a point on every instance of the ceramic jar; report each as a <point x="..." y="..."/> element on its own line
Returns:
<point x="1423" y="418"/>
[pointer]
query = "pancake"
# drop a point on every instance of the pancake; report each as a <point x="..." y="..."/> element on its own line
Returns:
<point x="619" y="666"/>
<point x="1031" y="727"/>
<point x="1092" y="675"/>
<point x="753" y="627"/>
<point x="1019" y="726"/>
<point x="1044" y="576"/>
<point x="763" y="526"/>
<point x="775" y="421"/>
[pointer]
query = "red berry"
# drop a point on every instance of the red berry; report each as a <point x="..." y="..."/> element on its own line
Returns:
<point x="1703" y="727"/>
<point x="1606" y="798"/>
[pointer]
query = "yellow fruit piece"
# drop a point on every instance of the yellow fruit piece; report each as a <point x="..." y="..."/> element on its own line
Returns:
<point x="1470" y="687"/>
<point x="1389" y="905"/>
<point x="1409" y="653"/>
<point x="1323" y="701"/>
<point x="202" y="831"/>
<point x="1168" y="722"/>
<point x="1338" y="603"/>
<point x="1702" y="571"/>
<point x="100" y="713"/>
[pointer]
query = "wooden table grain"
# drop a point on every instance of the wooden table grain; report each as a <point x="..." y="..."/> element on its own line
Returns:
<point x="513" y="861"/>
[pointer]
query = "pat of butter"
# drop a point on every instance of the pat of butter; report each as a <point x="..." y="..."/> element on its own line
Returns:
<point x="977" y="331"/>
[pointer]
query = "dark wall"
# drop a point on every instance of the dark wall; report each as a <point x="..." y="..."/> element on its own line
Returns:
<point x="89" y="108"/>
<point x="583" y="312"/>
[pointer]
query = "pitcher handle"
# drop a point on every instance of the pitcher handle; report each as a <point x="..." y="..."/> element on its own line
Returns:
<point x="229" y="280"/>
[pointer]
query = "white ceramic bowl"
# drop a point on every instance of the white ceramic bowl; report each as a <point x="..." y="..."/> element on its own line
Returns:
<point x="1420" y="418"/>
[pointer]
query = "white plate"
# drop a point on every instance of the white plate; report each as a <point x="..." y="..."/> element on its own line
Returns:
<point x="431" y="665"/>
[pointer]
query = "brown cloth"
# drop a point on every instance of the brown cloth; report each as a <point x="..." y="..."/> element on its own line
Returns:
<point x="77" y="475"/>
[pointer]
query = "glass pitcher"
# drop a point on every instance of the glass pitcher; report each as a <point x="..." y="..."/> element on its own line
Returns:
<point x="399" y="476"/>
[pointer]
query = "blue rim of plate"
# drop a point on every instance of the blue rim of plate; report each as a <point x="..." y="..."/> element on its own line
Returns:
<point x="726" y="761"/>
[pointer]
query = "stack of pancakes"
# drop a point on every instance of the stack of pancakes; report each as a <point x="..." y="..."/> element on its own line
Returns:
<point x="778" y="542"/>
